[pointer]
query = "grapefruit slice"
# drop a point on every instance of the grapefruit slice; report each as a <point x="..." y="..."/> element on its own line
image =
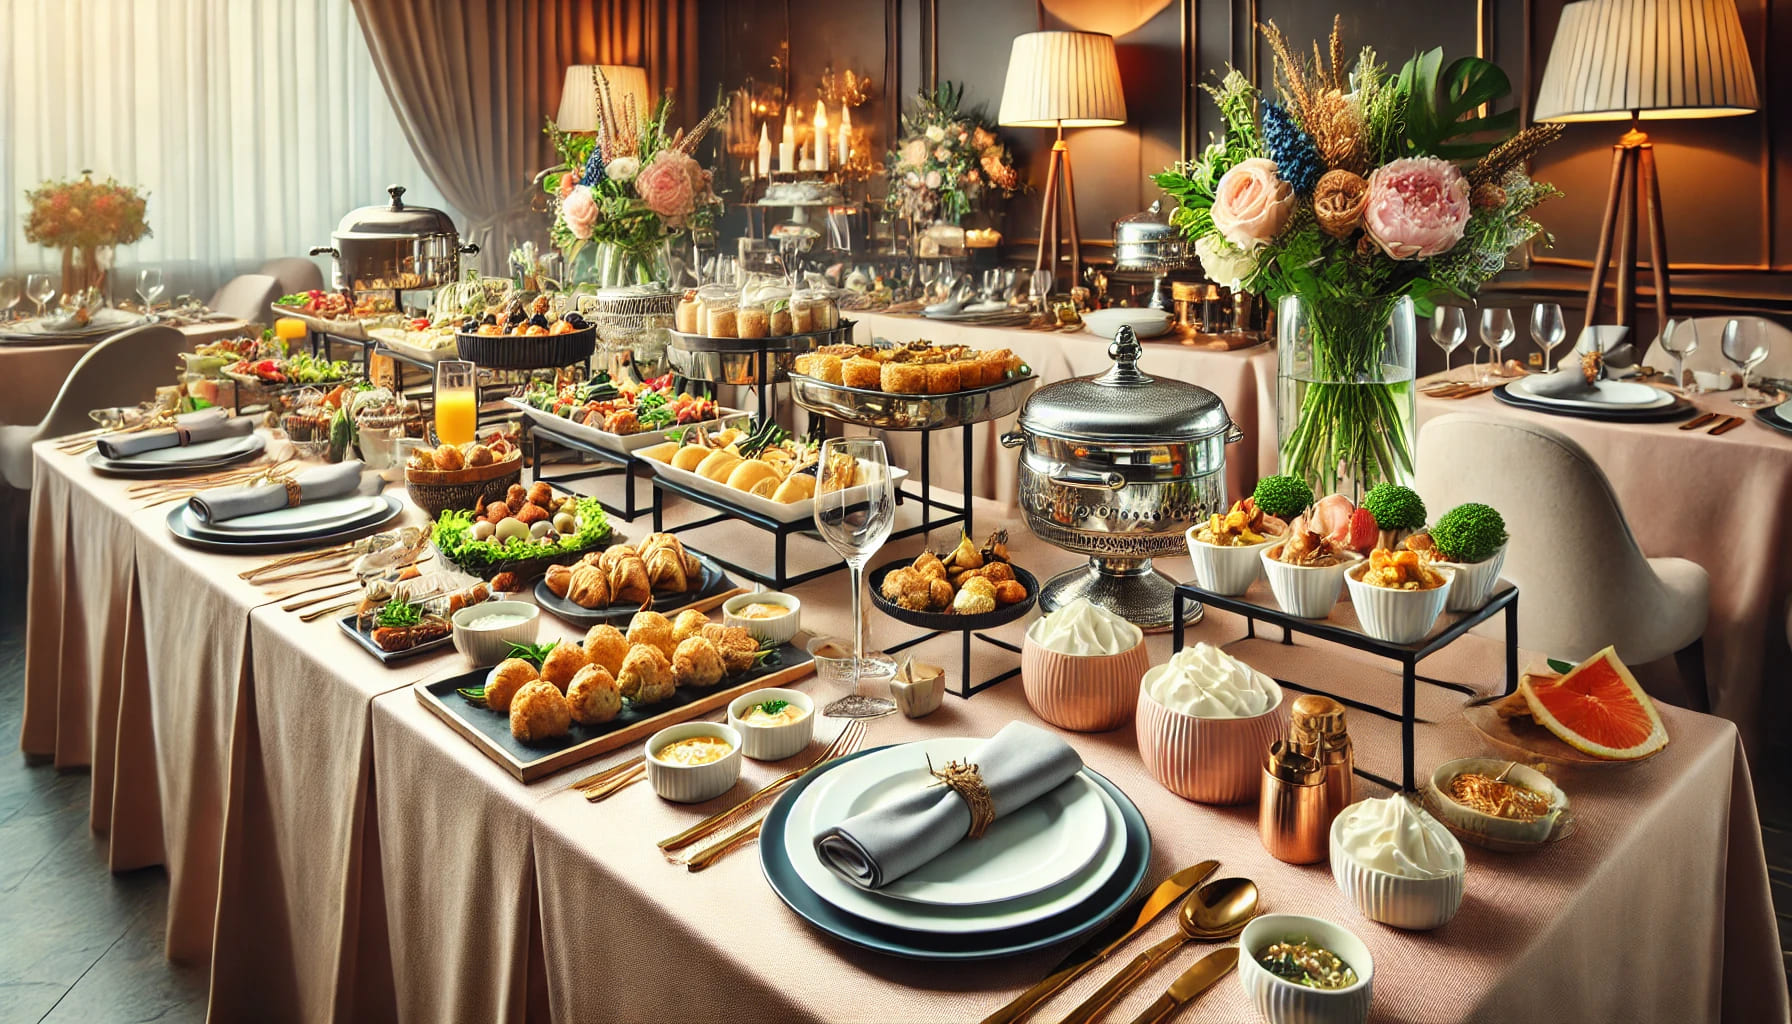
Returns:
<point x="1597" y="708"/>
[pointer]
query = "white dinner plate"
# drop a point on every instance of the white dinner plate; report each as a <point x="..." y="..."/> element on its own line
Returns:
<point x="204" y="451"/>
<point x="922" y="917"/>
<point x="303" y="518"/>
<point x="783" y="512"/>
<point x="1606" y="394"/>
<point x="1029" y="850"/>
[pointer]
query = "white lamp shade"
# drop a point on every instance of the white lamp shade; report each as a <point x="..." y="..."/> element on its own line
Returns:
<point x="1062" y="79"/>
<point x="578" y="95"/>
<point x="1658" y="58"/>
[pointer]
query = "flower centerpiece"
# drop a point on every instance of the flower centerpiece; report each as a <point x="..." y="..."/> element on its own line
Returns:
<point x="946" y="158"/>
<point x="87" y="220"/>
<point x="629" y="188"/>
<point x="1355" y="198"/>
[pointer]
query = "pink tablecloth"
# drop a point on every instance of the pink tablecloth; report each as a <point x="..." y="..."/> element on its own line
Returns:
<point x="30" y="375"/>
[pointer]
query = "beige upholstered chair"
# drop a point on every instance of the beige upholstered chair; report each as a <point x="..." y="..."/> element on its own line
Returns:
<point x="1583" y="583"/>
<point x="295" y="274"/>
<point x="1709" y="355"/>
<point x="120" y="371"/>
<point x="247" y="297"/>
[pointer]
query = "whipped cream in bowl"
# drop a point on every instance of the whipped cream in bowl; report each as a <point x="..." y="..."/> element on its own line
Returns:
<point x="1204" y="721"/>
<point x="1083" y="630"/>
<point x="1399" y="864"/>
<point x="1206" y="682"/>
<point x="1080" y="667"/>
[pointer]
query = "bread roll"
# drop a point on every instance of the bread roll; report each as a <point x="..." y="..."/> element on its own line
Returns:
<point x="860" y="372"/>
<point x="796" y="487"/>
<point x="718" y="464"/>
<point x="750" y="473"/>
<point x="942" y="378"/>
<point x="689" y="457"/>
<point x="903" y="378"/>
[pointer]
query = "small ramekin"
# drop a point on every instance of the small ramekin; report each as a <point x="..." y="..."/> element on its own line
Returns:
<point x="1474" y="581"/>
<point x="488" y="645"/>
<point x="1308" y="592"/>
<point x="779" y="630"/>
<point x="1477" y="823"/>
<point x="1417" y="904"/>
<point x="1225" y="570"/>
<point x="693" y="783"/>
<point x="1397" y="616"/>
<point x="773" y="742"/>
<point x="1207" y="760"/>
<point x="1279" y="1001"/>
<point x="1083" y="693"/>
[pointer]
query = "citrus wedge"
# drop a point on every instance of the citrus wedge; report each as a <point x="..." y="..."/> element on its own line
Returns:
<point x="1598" y="709"/>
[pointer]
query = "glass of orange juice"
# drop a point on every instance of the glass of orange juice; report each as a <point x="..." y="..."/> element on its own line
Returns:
<point x="291" y="331"/>
<point x="457" y="402"/>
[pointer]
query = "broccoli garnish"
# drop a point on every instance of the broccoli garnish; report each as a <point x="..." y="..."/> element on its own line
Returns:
<point x="1469" y="533"/>
<point x="1283" y="496"/>
<point x="1395" y="507"/>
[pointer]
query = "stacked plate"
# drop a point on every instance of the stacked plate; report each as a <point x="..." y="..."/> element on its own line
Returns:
<point x="1046" y="874"/>
<point x="192" y="458"/>
<point x="1609" y="400"/>
<point x="1779" y="417"/>
<point x="314" y="522"/>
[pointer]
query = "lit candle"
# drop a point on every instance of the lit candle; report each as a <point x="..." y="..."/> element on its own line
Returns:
<point x="821" y="137"/>
<point x="845" y="135"/>
<point x="787" y="147"/>
<point x="805" y="163"/>
<point x="765" y="151"/>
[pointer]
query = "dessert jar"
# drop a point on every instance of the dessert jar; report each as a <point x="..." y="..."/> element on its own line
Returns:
<point x="719" y="312"/>
<point x="1203" y="757"/>
<point x="1416" y="882"/>
<point x="687" y="316"/>
<point x="1091" y="692"/>
<point x="1397" y="616"/>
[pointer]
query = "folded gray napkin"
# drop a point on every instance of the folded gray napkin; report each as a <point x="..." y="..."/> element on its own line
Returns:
<point x="204" y="425"/>
<point x="221" y="504"/>
<point x="1563" y="382"/>
<point x="1018" y="765"/>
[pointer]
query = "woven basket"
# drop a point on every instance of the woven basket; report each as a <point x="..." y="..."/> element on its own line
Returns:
<point x="433" y="490"/>
<point x="527" y="351"/>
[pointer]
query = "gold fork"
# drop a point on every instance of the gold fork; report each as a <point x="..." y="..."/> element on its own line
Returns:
<point x="852" y="734"/>
<point x="750" y="832"/>
<point x="635" y="772"/>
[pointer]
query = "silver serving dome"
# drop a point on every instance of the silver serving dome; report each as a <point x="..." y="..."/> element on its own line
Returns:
<point x="1124" y="405"/>
<point x="394" y="220"/>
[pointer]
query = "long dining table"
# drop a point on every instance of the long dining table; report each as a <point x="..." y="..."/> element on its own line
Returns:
<point x="336" y="852"/>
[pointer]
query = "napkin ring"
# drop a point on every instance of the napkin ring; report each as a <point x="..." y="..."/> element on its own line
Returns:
<point x="294" y="493"/>
<point x="963" y="778"/>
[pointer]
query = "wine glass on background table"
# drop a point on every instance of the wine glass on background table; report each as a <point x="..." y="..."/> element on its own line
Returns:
<point x="1548" y="329"/>
<point x="10" y="293"/>
<point x="1745" y="346"/>
<point x="1679" y="339"/>
<point x="1497" y="331"/>
<point x="39" y="288"/>
<point x="1449" y="329"/>
<point x="149" y="287"/>
<point x="457" y="402"/>
<point x="855" y="508"/>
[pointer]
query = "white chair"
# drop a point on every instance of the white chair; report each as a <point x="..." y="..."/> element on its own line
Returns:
<point x="295" y="274"/>
<point x="247" y="297"/>
<point x="120" y="371"/>
<point x="1583" y="582"/>
<point x="1709" y="355"/>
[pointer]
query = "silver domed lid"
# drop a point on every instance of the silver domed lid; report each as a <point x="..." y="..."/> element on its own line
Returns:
<point x="1124" y="405"/>
<point x="395" y="220"/>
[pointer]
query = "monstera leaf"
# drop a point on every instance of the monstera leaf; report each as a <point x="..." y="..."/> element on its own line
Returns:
<point x="1440" y="105"/>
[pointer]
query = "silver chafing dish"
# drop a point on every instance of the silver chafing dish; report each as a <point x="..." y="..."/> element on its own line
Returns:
<point x="1117" y="467"/>
<point x="395" y="247"/>
<point x="887" y="411"/>
<point x="1146" y="241"/>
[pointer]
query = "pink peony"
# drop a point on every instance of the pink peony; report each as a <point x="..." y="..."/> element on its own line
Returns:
<point x="579" y="211"/>
<point x="1418" y="207"/>
<point x="568" y="182"/>
<point x="668" y="186"/>
<point x="1251" y="205"/>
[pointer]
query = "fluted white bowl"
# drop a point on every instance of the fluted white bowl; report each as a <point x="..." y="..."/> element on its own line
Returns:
<point x="1397" y="616"/>
<point x="1208" y="760"/>
<point x="775" y="630"/>
<point x="487" y="645"/>
<point x="1308" y="592"/>
<point x="1283" y="1002"/>
<point x="773" y="742"/>
<point x="693" y="783"/>
<point x="1474" y="581"/>
<point x="1417" y="904"/>
<point x="1085" y="693"/>
<point x="1223" y="570"/>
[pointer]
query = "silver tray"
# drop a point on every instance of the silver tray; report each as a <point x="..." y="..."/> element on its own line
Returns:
<point x="911" y="412"/>
<point x="736" y="360"/>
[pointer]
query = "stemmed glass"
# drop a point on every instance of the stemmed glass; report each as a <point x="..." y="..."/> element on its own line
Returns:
<point x="1745" y="346"/>
<point x="1680" y="338"/>
<point x="855" y="507"/>
<point x="1449" y="329"/>
<point x="9" y="296"/>
<point x="39" y="288"/>
<point x="1548" y="329"/>
<point x="149" y="287"/>
<point x="1497" y="331"/>
<point x="930" y="270"/>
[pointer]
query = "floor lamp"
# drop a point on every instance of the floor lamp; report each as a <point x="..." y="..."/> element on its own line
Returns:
<point x="1637" y="60"/>
<point x="1061" y="80"/>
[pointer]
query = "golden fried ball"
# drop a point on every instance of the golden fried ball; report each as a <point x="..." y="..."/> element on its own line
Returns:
<point x="539" y="712"/>
<point x="509" y="676"/>
<point x="562" y="663"/>
<point x="593" y="696"/>
<point x="652" y="628"/>
<point x="606" y="646"/>
<point x="646" y="676"/>
<point x="696" y="663"/>
<point x="448" y="457"/>
<point x="738" y="648"/>
<point x="689" y="623"/>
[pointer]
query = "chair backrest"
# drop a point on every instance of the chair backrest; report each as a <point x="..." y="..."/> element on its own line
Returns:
<point x="295" y="274"/>
<point x="1578" y="568"/>
<point x="247" y="297"/>
<point x="1709" y="355"/>
<point x="122" y="370"/>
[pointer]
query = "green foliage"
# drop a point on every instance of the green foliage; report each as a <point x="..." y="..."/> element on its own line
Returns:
<point x="1283" y="496"/>
<point x="1469" y="533"/>
<point x="1438" y="106"/>
<point x="453" y="535"/>
<point x="1395" y="507"/>
<point x="1192" y="184"/>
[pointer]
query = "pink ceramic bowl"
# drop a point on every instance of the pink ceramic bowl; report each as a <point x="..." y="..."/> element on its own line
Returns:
<point x="1208" y="760"/>
<point x="1092" y="693"/>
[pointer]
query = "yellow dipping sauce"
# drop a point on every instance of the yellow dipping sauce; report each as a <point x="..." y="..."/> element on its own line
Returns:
<point x="760" y="610"/>
<point x="695" y="750"/>
<point x="788" y="713"/>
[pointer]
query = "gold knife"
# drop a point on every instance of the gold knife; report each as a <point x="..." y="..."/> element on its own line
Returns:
<point x="1194" y="981"/>
<point x="1165" y="896"/>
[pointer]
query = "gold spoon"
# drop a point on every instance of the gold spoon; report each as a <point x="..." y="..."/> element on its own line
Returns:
<point x="1218" y="910"/>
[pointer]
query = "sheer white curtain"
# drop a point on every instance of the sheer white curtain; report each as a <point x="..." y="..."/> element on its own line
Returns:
<point x="254" y="124"/>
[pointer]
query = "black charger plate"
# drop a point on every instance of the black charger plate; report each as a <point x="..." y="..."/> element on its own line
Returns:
<point x="1772" y="416"/>
<point x="948" y="621"/>
<point x="712" y="582"/>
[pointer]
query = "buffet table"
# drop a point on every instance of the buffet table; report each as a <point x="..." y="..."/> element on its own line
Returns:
<point x="30" y="375"/>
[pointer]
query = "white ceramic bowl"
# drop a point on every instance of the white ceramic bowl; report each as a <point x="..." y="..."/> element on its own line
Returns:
<point x="489" y="644"/>
<point x="1228" y="571"/>
<point x="778" y="630"/>
<point x="773" y="742"/>
<point x="1208" y="760"/>
<point x="1503" y="829"/>
<point x="1146" y="323"/>
<point x="1413" y="903"/>
<point x="1306" y="591"/>
<point x="693" y="783"/>
<point x="1283" y="1002"/>
<point x="1474" y="581"/>
<point x="1397" y="616"/>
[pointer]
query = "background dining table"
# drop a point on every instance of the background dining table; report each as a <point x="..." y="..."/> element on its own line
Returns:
<point x="32" y="373"/>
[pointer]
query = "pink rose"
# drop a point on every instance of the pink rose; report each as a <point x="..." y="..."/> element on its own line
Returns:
<point x="1418" y="207"/>
<point x="579" y="211"/>
<point x="666" y="186"/>
<point x="568" y="182"/>
<point x="1251" y="204"/>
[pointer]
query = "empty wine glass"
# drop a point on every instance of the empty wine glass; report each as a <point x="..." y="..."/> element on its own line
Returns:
<point x="39" y="288"/>
<point x="149" y="287"/>
<point x="9" y="296"/>
<point x="1745" y="346"/>
<point x="1548" y="329"/>
<point x="1449" y="329"/>
<point x="1041" y="291"/>
<point x="855" y="508"/>
<point x="1497" y="331"/>
<point x="1680" y="338"/>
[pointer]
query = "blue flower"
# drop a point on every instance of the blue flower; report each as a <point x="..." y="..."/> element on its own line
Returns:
<point x="594" y="170"/>
<point x="1296" y="158"/>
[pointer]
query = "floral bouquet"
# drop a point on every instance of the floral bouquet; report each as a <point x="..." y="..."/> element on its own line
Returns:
<point x="945" y="158"/>
<point x="1355" y="191"/>
<point x="85" y="214"/>
<point x="631" y="186"/>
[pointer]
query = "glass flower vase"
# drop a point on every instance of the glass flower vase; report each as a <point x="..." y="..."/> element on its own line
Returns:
<point x="616" y="266"/>
<point x="1345" y="406"/>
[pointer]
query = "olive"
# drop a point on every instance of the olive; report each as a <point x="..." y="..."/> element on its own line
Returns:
<point x="538" y="320"/>
<point x="489" y="318"/>
<point x="469" y="324"/>
<point x="515" y="317"/>
<point x="575" y="320"/>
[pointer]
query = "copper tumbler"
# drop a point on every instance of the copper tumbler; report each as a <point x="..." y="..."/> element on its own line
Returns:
<point x="1291" y="810"/>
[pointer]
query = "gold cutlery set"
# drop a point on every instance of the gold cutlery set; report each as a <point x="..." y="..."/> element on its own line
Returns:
<point x="1714" y="423"/>
<point x="151" y="493"/>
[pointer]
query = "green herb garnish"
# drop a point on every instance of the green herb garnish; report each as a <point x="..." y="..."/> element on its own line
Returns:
<point x="453" y="535"/>
<point x="772" y="707"/>
<point x="475" y="695"/>
<point x="398" y="615"/>
<point x="534" y="654"/>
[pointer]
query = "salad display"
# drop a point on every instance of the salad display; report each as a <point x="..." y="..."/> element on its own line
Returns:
<point x="621" y="408"/>
<point x="298" y="368"/>
<point x="335" y="305"/>
<point x="486" y="540"/>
